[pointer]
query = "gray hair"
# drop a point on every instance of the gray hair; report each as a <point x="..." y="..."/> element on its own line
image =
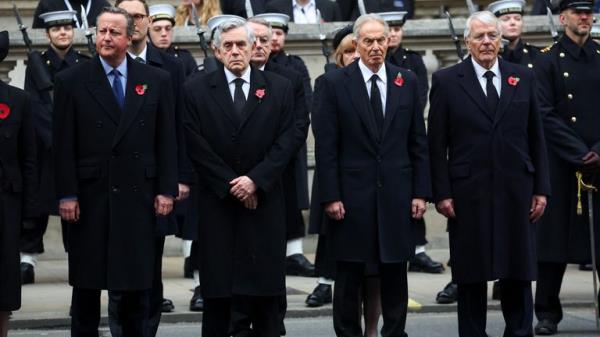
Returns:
<point x="120" y="11"/>
<point x="368" y="18"/>
<point x="230" y="25"/>
<point x="485" y="17"/>
<point x="263" y="22"/>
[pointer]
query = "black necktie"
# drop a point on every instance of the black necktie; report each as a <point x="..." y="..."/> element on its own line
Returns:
<point x="239" y="99"/>
<point x="376" y="103"/>
<point x="140" y="60"/>
<point x="118" y="88"/>
<point x="492" y="95"/>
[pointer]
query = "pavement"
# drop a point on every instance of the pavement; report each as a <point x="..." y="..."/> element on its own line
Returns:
<point x="45" y="304"/>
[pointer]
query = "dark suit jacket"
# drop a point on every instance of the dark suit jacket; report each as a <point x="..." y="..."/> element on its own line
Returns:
<point x="245" y="253"/>
<point x="115" y="162"/>
<point x="238" y="7"/>
<point x="375" y="176"/>
<point x="491" y="165"/>
<point x="349" y="8"/>
<point x="329" y="10"/>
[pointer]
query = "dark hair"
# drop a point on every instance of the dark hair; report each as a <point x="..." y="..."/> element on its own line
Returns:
<point x="118" y="2"/>
<point x="117" y="10"/>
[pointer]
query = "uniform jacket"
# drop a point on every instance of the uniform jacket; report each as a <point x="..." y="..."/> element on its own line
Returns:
<point x="412" y="61"/>
<point x="115" y="162"/>
<point x="189" y="63"/>
<point x="45" y="6"/>
<point x="296" y="63"/>
<point x="523" y="54"/>
<point x="490" y="165"/>
<point x="375" y="176"/>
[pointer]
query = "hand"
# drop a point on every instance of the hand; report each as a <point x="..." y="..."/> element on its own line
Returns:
<point x="184" y="192"/>
<point x="591" y="159"/>
<point x="69" y="210"/>
<point x="418" y="208"/>
<point x="446" y="208"/>
<point x="163" y="205"/>
<point x="242" y="187"/>
<point x="251" y="202"/>
<point x="538" y="205"/>
<point x="335" y="210"/>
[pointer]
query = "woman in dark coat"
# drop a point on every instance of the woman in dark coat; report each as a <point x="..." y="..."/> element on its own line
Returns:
<point x="17" y="185"/>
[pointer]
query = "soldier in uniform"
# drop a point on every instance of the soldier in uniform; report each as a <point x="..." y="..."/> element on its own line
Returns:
<point x="510" y="13"/>
<point x="161" y="36"/>
<point x="296" y="262"/>
<point x="59" y="56"/>
<point x="568" y="75"/>
<point x="92" y="9"/>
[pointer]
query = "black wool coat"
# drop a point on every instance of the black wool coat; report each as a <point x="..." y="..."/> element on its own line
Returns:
<point x="490" y="165"/>
<point x="115" y="162"/>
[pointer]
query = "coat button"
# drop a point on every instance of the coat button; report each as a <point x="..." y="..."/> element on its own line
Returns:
<point x="566" y="74"/>
<point x="115" y="189"/>
<point x="99" y="124"/>
<point x="525" y="50"/>
<point x="530" y="65"/>
<point x="142" y="123"/>
<point x="561" y="54"/>
<point x="570" y="96"/>
<point x="573" y="119"/>
<point x="136" y="155"/>
<point x="379" y="184"/>
<point x="379" y="159"/>
<point x="135" y="188"/>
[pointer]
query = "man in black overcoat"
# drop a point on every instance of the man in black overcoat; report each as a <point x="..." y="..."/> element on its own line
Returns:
<point x="373" y="168"/>
<point x="240" y="123"/>
<point x="116" y="172"/>
<point x="490" y="177"/>
<point x="568" y="74"/>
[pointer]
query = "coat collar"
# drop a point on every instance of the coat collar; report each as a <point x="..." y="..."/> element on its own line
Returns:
<point x="587" y="50"/>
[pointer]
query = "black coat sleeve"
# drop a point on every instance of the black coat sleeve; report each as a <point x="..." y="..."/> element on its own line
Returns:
<point x="422" y="80"/>
<point x="166" y="140"/>
<point x="438" y="140"/>
<point x="28" y="158"/>
<point x="418" y="149"/>
<point x="537" y="146"/>
<point x="41" y="108"/>
<point x="64" y="135"/>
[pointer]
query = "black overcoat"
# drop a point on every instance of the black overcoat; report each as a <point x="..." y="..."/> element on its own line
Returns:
<point x="375" y="176"/>
<point x="413" y="61"/>
<point x="569" y="78"/>
<point x="115" y="162"/>
<point x="242" y="251"/>
<point x="491" y="165"/>
<point x="18" y="183"/>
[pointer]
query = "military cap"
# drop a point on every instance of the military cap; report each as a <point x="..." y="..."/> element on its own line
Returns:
<point x="58" y="18"/>
<point x="277" y="20"/>
<point x="583" y="5"/>
<point x="3" y="45"/>
<point x="162" y="12"/>
<point x="502" y="7"/>
<point x="394" y="18"/>
<point x="340" y="35"/>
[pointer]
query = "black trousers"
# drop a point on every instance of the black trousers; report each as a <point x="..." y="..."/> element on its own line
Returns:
<point x="32" y="239"/>
<point x="127" y="313"/>
<point x="156" y="293"/>
<point x="516" y="302"/>
<point x="347" y="299"/>
<point x="216" y="317"/>
<point x="255" y="316"/>
<point x="419" y="232"/>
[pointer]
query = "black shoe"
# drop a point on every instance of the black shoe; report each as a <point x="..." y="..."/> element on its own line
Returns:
<point x="298" y="265"/>
<point x="586" y="267"/>
<point x="545" y="327"/>
<point x="188" y="271"/>
<point x="422" y="262"/>
<point x="167" y="305"/>
<point x="197" y="302"/>
<point x="27" y="273"/>
<point x="496" y="291"/>
<point x="321" y="295"/>
<point x="448" y="295"/>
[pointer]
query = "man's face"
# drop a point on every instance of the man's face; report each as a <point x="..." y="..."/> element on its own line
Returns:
<point x="235" y="50"/>
<point x="396" y="33"/>
<point x="512" y="26"/>
<point x="578" y="22"/>
<point x="278" y="41"/>
<point x="61" y="37"/>
<point x="483" y="43"/>
<point x="372" y="44"/>
<point x="161" y="33"/>
<point x="260" y="54"/>
<point x="140" y="19"/>
<point x="111" y="37"/>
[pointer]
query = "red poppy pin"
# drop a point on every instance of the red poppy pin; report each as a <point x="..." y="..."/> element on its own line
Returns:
<point x="513" y="80"/>
<point x="4" y="111"/>
<point x="399" y="80"/>
<point x="260" y="93"/>
<point x="140" y="89"/>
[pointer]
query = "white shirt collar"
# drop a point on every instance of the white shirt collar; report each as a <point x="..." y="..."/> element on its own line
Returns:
<point x="122" y="68"/>
<point x="309" y="5"/>
<point x="142" y="55"/>
<point x="231" y="76"/>
<point x="367" y="73"/>
<point x="479" y="70"/>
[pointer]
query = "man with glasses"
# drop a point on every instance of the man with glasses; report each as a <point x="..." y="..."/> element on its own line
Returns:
<point x="490" y="177"/>
<point x="568" y="74"/>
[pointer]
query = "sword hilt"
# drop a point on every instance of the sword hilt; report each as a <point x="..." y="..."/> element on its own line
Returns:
<point x="581" y="185"/>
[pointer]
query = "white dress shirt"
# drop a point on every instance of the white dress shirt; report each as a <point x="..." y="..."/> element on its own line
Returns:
<point x="142" y="55"/>
<point x="381" y="83"/>
<point x="231" y="78"/>
<point x="480" y="71"/>
<point x="306" y="13"/>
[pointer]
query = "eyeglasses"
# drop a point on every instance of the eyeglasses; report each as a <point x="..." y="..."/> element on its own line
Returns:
<point x="137" y="17"/>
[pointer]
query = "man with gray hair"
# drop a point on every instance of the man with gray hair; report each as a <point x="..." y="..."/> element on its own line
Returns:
<point x="490" y="177"/>
<point x="373" y="168"/>
<point x="240" y="122"/>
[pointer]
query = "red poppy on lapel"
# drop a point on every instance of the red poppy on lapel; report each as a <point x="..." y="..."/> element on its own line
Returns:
<point x="513" y="80"/>
<point x="140" y="89"/>
<point x="4" y="111"/>
<point x="399" y="80"/>
<point x="260" y="93"/>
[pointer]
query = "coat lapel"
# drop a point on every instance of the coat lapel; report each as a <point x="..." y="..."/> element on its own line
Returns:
<point x="470" y="84"/>
<point x="101" y="90"/>
<point x="360" y="98"/>
<point x="392" y="100"/>
<point x="222" y="97"/>
<point x="507" y="91"/>
<point x="257" y="81"/>
<point x="133" y="100"/>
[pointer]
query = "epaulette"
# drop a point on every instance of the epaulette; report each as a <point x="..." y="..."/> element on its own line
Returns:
<point x="548" y="48"/>
<point x="409" y="51"/>
<point x="84" y="55"/>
